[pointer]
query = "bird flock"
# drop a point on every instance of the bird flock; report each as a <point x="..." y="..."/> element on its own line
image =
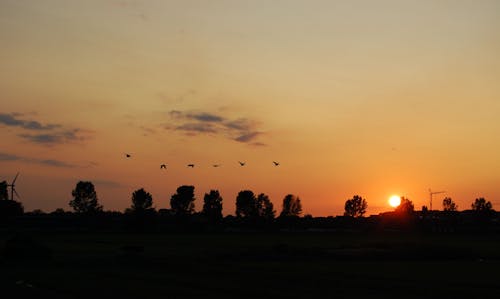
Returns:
<point x="191" y="165"/>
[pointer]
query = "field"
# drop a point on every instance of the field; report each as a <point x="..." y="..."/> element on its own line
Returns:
<point x="250" y="265"/>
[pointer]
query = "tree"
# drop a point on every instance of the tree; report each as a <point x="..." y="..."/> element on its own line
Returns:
<point x="212" y="205"/>
<point x="4" y="193"/>
<point x="249" y="206"/>
<point x="182" y="202"/>
<point x="142" y="202"/>
<point x="265" y="208"/>
<point x="9" y="208"/>
<point x="58" y="211"/>
<point x="355" y="207"/>
<point x="405" y="207"/>
<point x="449" y="205"/>
<point x="246" y="204"/>
<point x="85" y="198"/>
<point x="481" y="205"/>
<point x="291" y="206"/>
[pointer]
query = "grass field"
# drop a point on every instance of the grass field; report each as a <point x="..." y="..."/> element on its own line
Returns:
<point x="252" y="265"/>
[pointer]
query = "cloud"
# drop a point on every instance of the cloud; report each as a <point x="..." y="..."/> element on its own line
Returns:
<point x="241" y="124"/>
<point x="67" y="136"/>
<point x="197" y="128"/>
<point x="107" y="183"/>
<point x="12" y="120"/>
<point x="196" y="116"/>
<point x="206" y="117"/>
<point x="55" y="163"/>
<point x="47" y="162"/>
<point x="8" y="157"/>
<point x="194" y="122"/>
<point x="247" y="137"/>
<point x="42" y="138"/>
<point x="46" y="134"/>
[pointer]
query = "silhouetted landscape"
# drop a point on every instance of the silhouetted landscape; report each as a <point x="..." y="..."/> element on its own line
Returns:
<point x="180" y="253"/>
<point x="249" y="149"/>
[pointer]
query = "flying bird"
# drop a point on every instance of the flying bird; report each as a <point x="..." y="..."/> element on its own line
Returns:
<point x="241" y="163"/>
<point x="191" y="165"/>
<point x="216" y="165"/>
<point x="163" y="166"/>
<point x="128" y="155"/>
<point x="276" y="163"/>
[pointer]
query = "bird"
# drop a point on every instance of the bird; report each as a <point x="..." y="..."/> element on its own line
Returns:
<point x="190" y="165"/>
<point x="128" y="155"/>
<point x="163" y="166"/>
<point x="276" y="163"/>
<point x="216" y="165"/>
<point x="241" y="163"/>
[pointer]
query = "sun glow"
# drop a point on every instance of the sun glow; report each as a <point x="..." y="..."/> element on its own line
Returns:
<point x="394" y="201"/>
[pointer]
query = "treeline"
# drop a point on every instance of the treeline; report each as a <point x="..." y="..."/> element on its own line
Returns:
<point x="248" y="204"/>
<point x="250" y="207"/>
<point x="252" y="211"/>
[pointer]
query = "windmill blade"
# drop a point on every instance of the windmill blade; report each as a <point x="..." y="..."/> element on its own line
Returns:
<point x="15" y="178"/>
<point x="17" y="194"/>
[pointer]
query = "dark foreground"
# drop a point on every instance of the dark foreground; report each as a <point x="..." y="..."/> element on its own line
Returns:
<point x="249" y="265"/>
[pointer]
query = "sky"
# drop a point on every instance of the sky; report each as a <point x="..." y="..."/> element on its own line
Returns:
<point x="369" y="98"/>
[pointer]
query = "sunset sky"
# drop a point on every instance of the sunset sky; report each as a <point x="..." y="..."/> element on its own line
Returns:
<point x="373" y="98"/>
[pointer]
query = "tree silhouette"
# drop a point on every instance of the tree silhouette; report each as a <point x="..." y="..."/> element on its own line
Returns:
<point x="212" y="205"/>
<point x="291" y="206"/>
<point x="9" y="208"/>
<point x="265" y="208"/>
<point x="142" y="202"/>
<point x="449" y="205"/>
<point x="58" y="211"/>
<point x="481" y="205"/>
<point x="249" y="206"/>
<point x="4" y="193"/>
<point x="246" y="204"/>
<point x="405" y="207"/>
<point x="355" y="207"/>
<point x="182" y="202"/>
<point x="85" y="198"/>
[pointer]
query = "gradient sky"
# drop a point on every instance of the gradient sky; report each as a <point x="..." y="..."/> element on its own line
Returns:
<point x="352" y="97"/>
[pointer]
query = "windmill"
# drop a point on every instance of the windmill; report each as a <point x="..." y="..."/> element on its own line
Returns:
<point x="431" y="193"/>
<point x="13" y="188"/>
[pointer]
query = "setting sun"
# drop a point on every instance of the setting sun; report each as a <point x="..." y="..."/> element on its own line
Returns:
<point x="394" y="201"/>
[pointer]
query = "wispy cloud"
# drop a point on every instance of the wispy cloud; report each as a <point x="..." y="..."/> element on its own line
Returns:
<point x="46" y="162"/>
<point x="241" y="124"/>
<point x="197" y="128"/>
<point x="55" y="163"/>
<point x="12" y="120"/>
<point x="8" y="157"/>
<point x="247" y="137"/>
<point x="45" y="134"/>
<point x="107" y="183"/>
<point x="58" y="137"/>
<point x="194" y="122"/>
<point x="205" y="117"/>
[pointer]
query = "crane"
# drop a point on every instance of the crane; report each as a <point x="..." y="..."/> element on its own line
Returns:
<point x="431" y="193"/>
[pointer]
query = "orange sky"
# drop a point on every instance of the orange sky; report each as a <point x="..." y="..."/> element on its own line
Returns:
<point x="352" y="97"/>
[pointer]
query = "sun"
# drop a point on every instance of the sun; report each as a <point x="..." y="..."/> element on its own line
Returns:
<point x="394" y="201"/>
